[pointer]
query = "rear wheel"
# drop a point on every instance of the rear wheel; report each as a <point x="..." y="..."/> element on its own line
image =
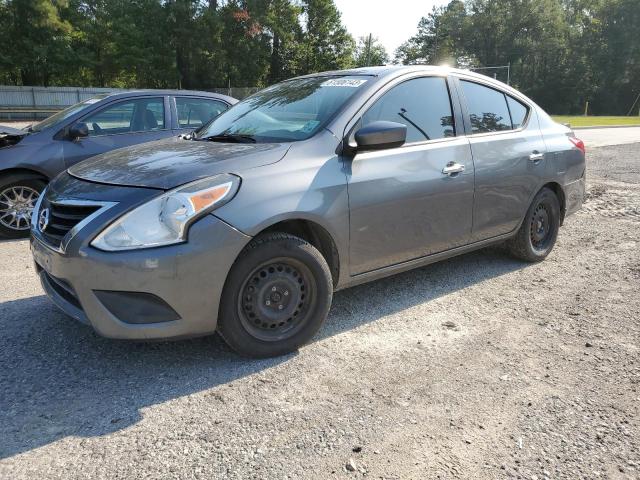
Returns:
<point x="18" y="197"/>
<point x="276" y="297"/>
<point x="539" y="231"/>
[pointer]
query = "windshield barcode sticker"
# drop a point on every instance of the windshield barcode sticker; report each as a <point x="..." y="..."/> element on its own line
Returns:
<point x="343" y="82"/>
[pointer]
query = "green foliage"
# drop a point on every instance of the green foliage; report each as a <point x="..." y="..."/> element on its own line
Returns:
<point x="582" y="121"/>
<point x="370" y="52"/>
<point x="327" y="45"/>
<point x="562" y="52"/>
<point x="169" y="43"/>
<point x="36" y="27"/>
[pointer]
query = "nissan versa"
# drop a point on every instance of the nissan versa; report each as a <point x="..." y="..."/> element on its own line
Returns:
<point x="309" y="186"/>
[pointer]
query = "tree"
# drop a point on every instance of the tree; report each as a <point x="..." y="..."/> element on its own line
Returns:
<point x="327" y="44"/>
<point x="440" y="39"/>
<point x="286" y="34"/>
<point x="370" y="52"/>
<point x="562" y="52"/>
<point x="37" y="39"/>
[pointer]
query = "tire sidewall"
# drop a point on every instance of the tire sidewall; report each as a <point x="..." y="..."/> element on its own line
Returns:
<point x="229" y="324"/>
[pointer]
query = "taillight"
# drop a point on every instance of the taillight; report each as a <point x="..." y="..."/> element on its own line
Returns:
<point x="579" y="144"/>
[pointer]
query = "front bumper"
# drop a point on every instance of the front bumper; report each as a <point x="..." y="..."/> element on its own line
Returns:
<point x="181" y="284"/>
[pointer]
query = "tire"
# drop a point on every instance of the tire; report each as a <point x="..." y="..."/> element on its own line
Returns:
<point x="276" y="296"/>
<point x="539" y="230"/>
<point x="18" y="194"/>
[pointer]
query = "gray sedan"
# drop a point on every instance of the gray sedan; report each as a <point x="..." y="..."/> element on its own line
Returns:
<point x="29" y="158"/>
<point x="318" y="183"/>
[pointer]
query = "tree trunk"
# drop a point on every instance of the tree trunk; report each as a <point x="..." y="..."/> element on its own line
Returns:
<point x="275" y="68"/>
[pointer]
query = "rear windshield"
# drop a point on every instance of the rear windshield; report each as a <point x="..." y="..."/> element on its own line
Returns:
<point x="290" y="111"/>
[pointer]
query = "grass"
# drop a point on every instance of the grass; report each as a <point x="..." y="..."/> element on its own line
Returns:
<point x="580" y="121"/>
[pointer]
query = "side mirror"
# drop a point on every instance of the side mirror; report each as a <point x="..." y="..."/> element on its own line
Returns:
<point x="380" y="135"/>
<point x="77" y="131"/>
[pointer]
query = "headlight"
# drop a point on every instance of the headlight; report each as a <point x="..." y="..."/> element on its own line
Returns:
<point x="165" y="220"/>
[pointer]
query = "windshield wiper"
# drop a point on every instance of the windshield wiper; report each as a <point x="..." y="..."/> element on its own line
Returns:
<point x="231" y="137"/>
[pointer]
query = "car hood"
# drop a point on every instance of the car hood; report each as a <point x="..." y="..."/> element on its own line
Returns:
<point x="4" y="130"/>
<point x="172" y="162"/>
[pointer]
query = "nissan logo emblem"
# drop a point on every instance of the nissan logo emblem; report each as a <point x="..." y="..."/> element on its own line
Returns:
<point x="43" y="219"/>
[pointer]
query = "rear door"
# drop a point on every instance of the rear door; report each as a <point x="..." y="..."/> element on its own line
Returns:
<point x="508" y="154"/>
<point x="403" y="205"/>
<point x="120" y="124"/>
<point x="190" y="113"/>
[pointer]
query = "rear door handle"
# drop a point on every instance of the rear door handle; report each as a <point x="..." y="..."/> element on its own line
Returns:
<point x="536" y="157"/>
<point x="452" y="168"/>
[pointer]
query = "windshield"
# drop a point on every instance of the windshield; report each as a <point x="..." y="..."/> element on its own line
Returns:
<point x="287" y="112"/>
<point x="66" y="113"/>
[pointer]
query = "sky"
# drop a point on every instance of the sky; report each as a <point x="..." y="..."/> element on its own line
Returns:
<point x="392" y="22"/>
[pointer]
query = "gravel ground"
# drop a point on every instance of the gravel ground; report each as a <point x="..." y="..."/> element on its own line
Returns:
<point x="477" y="367"/>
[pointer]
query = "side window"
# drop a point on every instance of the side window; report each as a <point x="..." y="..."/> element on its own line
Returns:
<point x="488" y="109"/>
<point x="195" y="112"/>
<point x="518" y="112"/>
<point x="422" y="104"/>
<point x="139" y="115"/>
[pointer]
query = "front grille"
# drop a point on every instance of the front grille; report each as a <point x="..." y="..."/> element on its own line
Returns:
<point x="62" y="218"/>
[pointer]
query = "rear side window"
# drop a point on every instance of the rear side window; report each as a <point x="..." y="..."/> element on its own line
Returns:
<point x="195" y="112"/>
<point x="488" y="109"/>
<point x="422" y="104"/>
<point x="518" y="112"/>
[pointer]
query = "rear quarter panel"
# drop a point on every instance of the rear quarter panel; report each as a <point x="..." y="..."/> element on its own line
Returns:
<point x="567" y="164"/>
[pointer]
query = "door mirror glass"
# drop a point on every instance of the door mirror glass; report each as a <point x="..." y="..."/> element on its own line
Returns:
<point x="79" y="130"/>
<point x="380" y="135"/>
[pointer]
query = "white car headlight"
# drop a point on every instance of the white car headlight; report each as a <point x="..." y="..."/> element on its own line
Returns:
<point x="165" y="220"/>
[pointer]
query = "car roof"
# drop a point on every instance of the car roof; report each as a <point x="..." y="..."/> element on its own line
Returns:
<point x="397" y="70"/>
<point x="146" y="92"/>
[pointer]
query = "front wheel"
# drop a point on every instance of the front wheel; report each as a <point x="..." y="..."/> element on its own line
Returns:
<point x="539" y="231"/>
<point x="276" y="296"/>
<point x="18" y="197"/>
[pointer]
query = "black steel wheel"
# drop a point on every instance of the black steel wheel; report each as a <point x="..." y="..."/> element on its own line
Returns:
<point x="537" y="235"/>
<point x="540" y="229"/>
<point x="276" y="299"/>
<point x="276" y="296"/>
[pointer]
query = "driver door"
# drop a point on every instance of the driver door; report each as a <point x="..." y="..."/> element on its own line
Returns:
<point x="119" y="124"/>
<point x="403" y="204"/>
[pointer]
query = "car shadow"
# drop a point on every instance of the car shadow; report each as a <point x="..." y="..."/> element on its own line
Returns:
<point x="59" y="379"/>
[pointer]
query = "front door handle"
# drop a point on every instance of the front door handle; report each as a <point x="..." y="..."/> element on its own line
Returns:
<point x="535" y="157"/>
<point x="452" y="168"/>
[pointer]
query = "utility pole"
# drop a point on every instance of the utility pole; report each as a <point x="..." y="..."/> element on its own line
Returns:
<point x="634" y="104"/>
<point x="369" y="40"/>
<point x="435" y="55"/>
